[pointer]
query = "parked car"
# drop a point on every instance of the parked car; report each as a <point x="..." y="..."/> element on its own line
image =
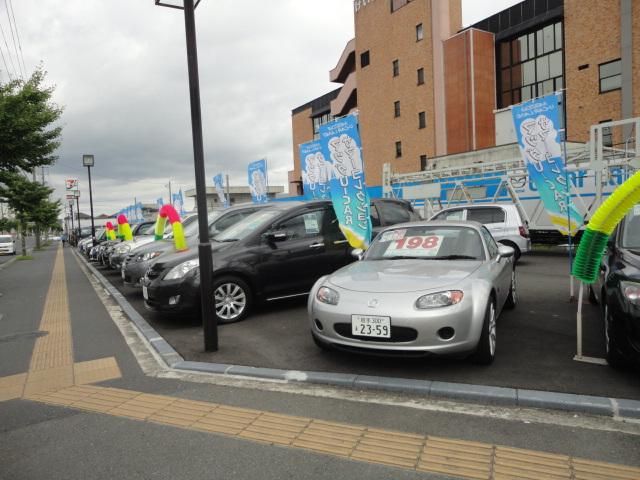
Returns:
<point x="7" y="245"/>
<point x="140" y="258"/>
<point x="144" y="234"/>
<point x="505" y="222"/>
<point x="420" y="289"/>
<point x="617" y="290"/>
<point x="277" y="252"/>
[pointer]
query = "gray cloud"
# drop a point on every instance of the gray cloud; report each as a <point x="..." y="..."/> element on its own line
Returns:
<point x="119" y="67"/>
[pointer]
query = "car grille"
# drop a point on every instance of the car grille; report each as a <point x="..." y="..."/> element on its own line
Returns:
<point x="398" y="334"/>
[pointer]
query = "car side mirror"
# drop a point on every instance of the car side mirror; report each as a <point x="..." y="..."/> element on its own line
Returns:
<point x="357" y="253"/>
<point x="505" y="252"/>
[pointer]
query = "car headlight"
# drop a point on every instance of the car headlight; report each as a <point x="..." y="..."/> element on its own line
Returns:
<point x="631" y="291"/>
<point x="149" y="256"/>
<point x="440" y="299"/>
<point x="328" y="295"/>
<point x="122" y="248"/>
<point x="181" y="270"/>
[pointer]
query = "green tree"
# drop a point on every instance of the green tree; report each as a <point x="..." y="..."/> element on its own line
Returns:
<point x="45" y="217"/>
<point x="28" y="138"/>
<point x="8" y="224"/>
<point x="27" y="199"/>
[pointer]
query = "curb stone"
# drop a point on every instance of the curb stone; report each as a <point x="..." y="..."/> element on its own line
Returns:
<point x="478" y="394"/>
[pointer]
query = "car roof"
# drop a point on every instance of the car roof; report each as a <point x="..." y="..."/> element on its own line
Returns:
<point x="479" y="205"/>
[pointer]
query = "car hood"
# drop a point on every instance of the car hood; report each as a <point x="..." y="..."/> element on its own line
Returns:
<point x="398" y="276"/>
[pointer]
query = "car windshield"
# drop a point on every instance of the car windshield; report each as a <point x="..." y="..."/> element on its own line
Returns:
<point x="6" y="239"/>
<point x="428" y="243"/>
<point x="631" y="231"/>
<point x="191" y="229"/>
<point x="247" y="226"/>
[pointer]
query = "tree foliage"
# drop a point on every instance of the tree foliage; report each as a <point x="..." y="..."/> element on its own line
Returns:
<point x="28" y="138"/>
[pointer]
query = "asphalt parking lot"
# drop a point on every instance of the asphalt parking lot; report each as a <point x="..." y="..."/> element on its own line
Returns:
<point x="536" y="341"/>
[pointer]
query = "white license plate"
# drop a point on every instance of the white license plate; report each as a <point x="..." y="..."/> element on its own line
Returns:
<point x="145" y="293"/>
<point x="371" y="326"/>
<point x="122" y="272"/>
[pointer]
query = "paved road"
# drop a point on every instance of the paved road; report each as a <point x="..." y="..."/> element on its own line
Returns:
<point x="69" y="435"/>
<point x="536" y="341"/>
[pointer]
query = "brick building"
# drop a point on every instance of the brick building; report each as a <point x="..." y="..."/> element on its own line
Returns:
<point x="424" y="88"/>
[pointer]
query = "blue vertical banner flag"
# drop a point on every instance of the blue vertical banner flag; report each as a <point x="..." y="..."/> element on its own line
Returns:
<point x="536" y="123"/>
<point x="219" y="186"/>
<point x="178" y="202"/>
<point x="139" y="216"/>
<point x="159" y="203"/>
<point x="341" y="146"/>
<point x="258" y="181"/>
<point x="316" y="171"/>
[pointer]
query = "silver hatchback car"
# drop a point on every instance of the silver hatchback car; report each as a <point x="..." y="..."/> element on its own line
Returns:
<point x="504" y="221"/>
<point x="421" y="288"/>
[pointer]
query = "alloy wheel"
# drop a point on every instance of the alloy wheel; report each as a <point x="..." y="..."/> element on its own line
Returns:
<point x="230" y="301"/>
<point x="492" y="329"/>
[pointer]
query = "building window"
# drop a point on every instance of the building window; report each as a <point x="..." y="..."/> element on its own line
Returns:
<point x="397" y="4"/>
<point x="398" y="149"/>
<point x="610" y="76"/>
<point x="530" y="65"/>
<point x="396" y="68"/>
<point x="419" y="32"/>
<point x="364" y="59"/>
<point x="422" y="120"/>
<point x="396" y="108"/>
<point x="420" y="76"/>
<point x="423" y="162"/>
<point x="607" y="135"/>
<point x="320" y="120"/>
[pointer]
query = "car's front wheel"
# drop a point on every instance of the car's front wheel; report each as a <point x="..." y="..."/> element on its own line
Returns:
<point x="614" y="357"/>
<point x="232" y="299"/>
<point x="486" y="350"/>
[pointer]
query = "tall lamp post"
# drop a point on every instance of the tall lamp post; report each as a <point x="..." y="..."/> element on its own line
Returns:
<point x="209" y="320"/>
<point x="77" y="194"/>
<point x="87" y="161"/>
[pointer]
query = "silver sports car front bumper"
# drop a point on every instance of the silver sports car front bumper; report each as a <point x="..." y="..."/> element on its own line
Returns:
<point x="412" y="330"/>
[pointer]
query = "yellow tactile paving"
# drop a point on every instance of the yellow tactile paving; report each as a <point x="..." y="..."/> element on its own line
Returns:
<point x="12" y="386"/>
<point x="94" y="371"/>
<point x="431" y="454"/>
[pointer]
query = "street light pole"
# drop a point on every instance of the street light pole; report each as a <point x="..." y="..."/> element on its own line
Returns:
<point x="78" y="212"/>
<point x="88" y="161"/>
<point x="209" y="320"/>
<point x="73" y="227"/>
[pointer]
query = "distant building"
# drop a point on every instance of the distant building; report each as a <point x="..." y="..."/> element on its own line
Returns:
<point x="426" y="89"/>
<point x="237" y="195"/>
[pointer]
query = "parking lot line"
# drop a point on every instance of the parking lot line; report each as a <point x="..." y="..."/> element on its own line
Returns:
<point x="474" y="460"/>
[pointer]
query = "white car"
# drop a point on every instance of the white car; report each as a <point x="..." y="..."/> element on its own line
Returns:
<point x="504" y="221"/>
<point x="7" y="245"/>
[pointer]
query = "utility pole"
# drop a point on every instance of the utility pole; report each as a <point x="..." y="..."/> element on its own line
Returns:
<point x="78" y="205"/>
<point x="170" y="197"/>
<point x="73" y="227"/>
<point x="228" y="194"/>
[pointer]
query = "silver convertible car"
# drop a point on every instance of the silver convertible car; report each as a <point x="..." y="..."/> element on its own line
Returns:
<point x="421" y="288"/>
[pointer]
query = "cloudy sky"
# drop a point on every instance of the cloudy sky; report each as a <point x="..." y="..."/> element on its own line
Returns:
<point x="119" y="70"/>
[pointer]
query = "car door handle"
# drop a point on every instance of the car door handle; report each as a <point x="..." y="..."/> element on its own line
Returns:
<point x="316" y="245"/>
<point x="339" y="242"/>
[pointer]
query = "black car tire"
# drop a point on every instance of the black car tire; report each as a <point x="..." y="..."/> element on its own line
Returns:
<point x="614" y="357"/>
<point x="485" y="354"/>
<point x="238" y="291"/>
<point x="512" y="298"/>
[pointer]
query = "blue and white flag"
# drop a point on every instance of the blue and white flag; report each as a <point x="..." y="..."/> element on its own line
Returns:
<point x="178" y="202"/>
<point x="316" y="171"/>
<point x="218" y="184"/>
<point x="341" y="146"/>
<point x="159" y="202"/>
<point x="138" y="215"/>
<point x="536" y="124"/>
<point x="257" y="177"/>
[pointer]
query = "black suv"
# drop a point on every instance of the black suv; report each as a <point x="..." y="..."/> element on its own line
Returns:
<point x="618" y="292"/>
<point x="277" y="252"/>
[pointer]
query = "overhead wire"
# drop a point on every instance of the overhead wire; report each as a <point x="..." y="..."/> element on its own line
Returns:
<point x="8" y="52"/>
<point x="6" y="68"/>
<point x="17" y="34"/>
<point x="13" y="39"/>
